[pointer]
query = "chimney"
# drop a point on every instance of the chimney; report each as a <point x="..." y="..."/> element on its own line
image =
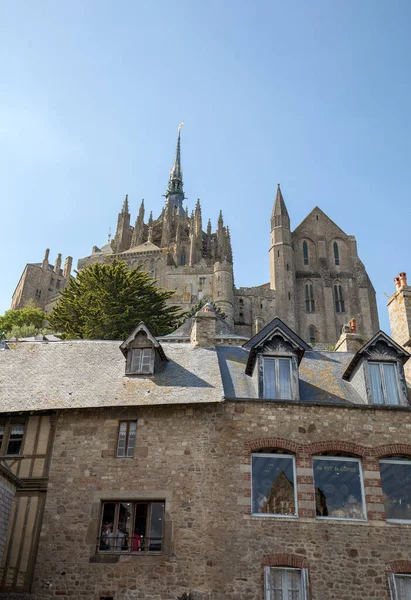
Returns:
<point x="67" y="267"/>
<point x="399" y="311"/>
<point x="203" y="333"/>
<point x="57" y="265"/>
<point x="350" y="340"/>
<point x="45" y="262"/>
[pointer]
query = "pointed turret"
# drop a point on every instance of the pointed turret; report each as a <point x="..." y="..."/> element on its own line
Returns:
<point x="279" y="215"/>
<point x="198" y="228"/>
<point x="175" y="193"/>
<point x="138" y="233"/>
<point x="122" y="239"/>
<point x="125" y="210"/>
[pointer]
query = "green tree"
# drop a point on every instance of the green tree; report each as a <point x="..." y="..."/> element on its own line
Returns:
<point x="30" y="317"/>
<point x="107" y="301"/>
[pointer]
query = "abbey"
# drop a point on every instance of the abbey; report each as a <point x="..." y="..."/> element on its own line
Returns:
<point x="317" y="281"/>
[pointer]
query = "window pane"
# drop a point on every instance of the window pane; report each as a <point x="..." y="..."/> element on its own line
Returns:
<point x="146" y="360"/>
<point x="131" y="439"/>
<point x="107" y="541"/>
<point x="124" y="524"/>
<point x="156" y="526"/>
<point x="293" y="584"/>
<point x="403" y="587"/>
<point x="376" y="384"/>
<point x="391" y="384"/>
<point x="276" y="580"/>
<point x="15" y="439"/>
<point x="140" y="526"/>
<point x="269" y="379"/>
<point x="338" y="491"/>
<point x="396" y="487"/>
<point x="135" y="360"/>
<point x="273" y="485"/>
<point x="122" y="437"/>
<point x="285" y="378"/>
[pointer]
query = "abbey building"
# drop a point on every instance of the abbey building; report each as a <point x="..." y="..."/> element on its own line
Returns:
<point x="317" y="281"/>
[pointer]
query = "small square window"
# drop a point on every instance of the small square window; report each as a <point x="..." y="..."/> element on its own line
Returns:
<point x="201" y="281"/>
<point x="339" y="492"/>
<point x="273" y="485"/>
<point x="396" y="487"/>
<point x="277" y="378"/>
<point x="384" y="386"/>
<point x="141" y="361"/>
<point x="285" y="583"/>
<point x="126" y="439"/>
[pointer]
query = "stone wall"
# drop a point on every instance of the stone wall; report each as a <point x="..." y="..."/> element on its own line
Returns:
<point x="8" y="485"/>
<point x="197" y="458"/>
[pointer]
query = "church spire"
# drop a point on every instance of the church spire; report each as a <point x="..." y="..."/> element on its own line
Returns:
<point x="175" y="191"/>
<point x="279" y="216"/>
<point x="124" y="210"/>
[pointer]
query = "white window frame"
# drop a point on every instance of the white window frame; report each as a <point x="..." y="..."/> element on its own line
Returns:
<point x="128" y="448"/>
<point x="146" y="353"/>
<point x="393" y="584"/>
<point x="381" y="363"/>
<point x="343" y="459"/>
<point x="271" y="455"/>
<point x="277" y="376"/>
<point x="401" y="462"/>
<point x="303" y="581"/>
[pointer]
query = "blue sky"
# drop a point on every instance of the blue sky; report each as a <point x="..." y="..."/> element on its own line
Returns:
<point x="314" y="95"/>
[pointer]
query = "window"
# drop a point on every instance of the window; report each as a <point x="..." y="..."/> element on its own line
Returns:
<point x="241" y="301"/>
<point x="311" y="334"/>
<point x="15" y="440"/>
<point x="37" y="295"/>
<point x="384" y="388"/>
<point x="339" y="492"/>
<point x="396" y="487"/>
<point x="305" y="252"/>
<point x="277" y="378"/>
<point x="309" y="298"/>
<point x="400" y="587"/>
<point x="201" y="281"/>
<point x="131" y="527"/>
<point x="58" y="282"/>
<point x="2" y="429"/>
<point x="336" y="254"/>
<point x="183" y="258"/>
<point x="126" y="439"/>
<point x="339" y="299"/>
<point x="241" y="315"/>
<point x="141" y="361"/>
<point x="273" y="485"/>
<point x="285" y="584"/>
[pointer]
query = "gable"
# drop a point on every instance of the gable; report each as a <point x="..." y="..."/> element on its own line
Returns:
<point x="323" y="225"/>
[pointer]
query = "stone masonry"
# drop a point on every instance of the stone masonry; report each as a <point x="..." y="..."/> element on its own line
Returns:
<point x="8" y="485"/>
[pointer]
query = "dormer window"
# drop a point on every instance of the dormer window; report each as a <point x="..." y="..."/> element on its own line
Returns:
<point x="277" y="378"/>
<point x="384" y="385"/>
<point x="142" y="361"/>
<point x="144" y="354"/>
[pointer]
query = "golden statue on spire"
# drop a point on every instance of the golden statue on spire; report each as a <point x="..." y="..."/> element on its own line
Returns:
<point x="180" y="126"/>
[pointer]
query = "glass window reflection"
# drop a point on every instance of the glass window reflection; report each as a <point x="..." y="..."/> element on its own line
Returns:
<point x="338" y="488"/>
<point x="396" y="488"/>
<point x="273" y="484"/>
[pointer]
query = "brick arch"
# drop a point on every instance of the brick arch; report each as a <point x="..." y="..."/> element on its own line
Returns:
<point x="399" y="566"/>
<point x="391" y="449"/>
<point x="337" y="446"/>
<point x="284" y="560"/>
<point x="277" y="443"/>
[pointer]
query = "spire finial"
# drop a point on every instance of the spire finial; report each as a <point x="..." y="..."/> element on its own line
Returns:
<point x="125" y="205"/>
<point x="175" y="182"/>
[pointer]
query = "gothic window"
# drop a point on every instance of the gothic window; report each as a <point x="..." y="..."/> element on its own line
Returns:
<point x="339" y="299"/>
<point x="274" y="490"/>
<point x="384" y="387"/>
<point x="277" y="378"/>
<point x="183" y="258"/>
<point x="153" y="268"/>
<point x="309" y="298"/>
<point x="311" y="334"/>
<point x="126" y="439"/>
<point x="336" y="253"/>
<point x="305" y="252"/>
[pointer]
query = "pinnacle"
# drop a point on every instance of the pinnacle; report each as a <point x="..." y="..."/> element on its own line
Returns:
<point x="279" y="207"/>
<point x="124" y="210"/>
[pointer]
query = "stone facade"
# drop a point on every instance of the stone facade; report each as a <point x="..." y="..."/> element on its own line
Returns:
<point x="8" y="486"/>
<point x="308" y="267"/>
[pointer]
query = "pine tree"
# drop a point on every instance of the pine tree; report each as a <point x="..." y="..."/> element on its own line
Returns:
<point x="107" y="301"/>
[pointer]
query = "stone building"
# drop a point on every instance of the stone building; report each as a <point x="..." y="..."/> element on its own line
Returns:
<point x="42" y="282"/>
<point x="202" y="466"/>
<point x="316" y="276"/>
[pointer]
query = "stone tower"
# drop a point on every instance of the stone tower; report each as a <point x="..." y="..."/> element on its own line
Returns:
<point x="282" y="271"/>
<point x="399" y="311"/>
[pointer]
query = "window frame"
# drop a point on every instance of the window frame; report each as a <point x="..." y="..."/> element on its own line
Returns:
<point x="128" y="423"/>
<point x="128" y="551"/>
<point x="393" y="584"/>
<point x="342" y="459"/>
<point x="312" y="338"/>
<point x="8" y="423"/>
<point x="393" y="460"/>
<point x="309" y="298"/>
<point x="277" y="358"/>
<point x="304" y="587"/>
<point x="305" y="253"/>
<point x="336" y="251"/>
<point x="129" y="361"/>
<point x="339" y="302"/>
<point x="381" y="364"/>
<point x="279" y="515"/>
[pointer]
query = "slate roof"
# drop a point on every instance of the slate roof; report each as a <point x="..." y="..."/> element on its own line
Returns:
<point x="223" y="330"/>
<point x="81" y="374"/>
<point x="320" y="376"/>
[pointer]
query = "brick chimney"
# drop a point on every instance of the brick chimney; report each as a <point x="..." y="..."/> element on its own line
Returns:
<point x="203" y="333"/>
<point x="350" y="340"/>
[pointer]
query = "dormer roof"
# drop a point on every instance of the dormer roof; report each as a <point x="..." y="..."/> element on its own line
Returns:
<point x="275" y="328"/>
<point x="142" y="328"/>
<point x="366" y="352"/>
